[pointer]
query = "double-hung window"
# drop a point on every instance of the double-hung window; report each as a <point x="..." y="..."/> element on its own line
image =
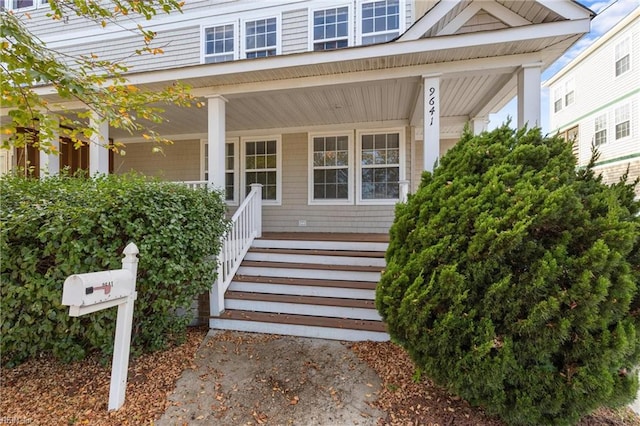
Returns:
<point x="230" y="169"/>
<point x="623" y="121"/>
<point x="600" y="136"/>
<point x="331" y="28"/>
<point x="380" y="21"/>
<point x="23" y="4"/>
<point x="262" y="165"/>
<point x="379" y="155"/>
<point x="331" y="176"/>
<point x="219" y="43"/>
<point x="569" y="92"/>
<point x="623" y="56"/>
<point x="557" y="99"/>
<point x="261" y="38"/>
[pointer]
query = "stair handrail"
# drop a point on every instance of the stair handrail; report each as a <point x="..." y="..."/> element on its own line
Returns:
<point x="246" y="225"/>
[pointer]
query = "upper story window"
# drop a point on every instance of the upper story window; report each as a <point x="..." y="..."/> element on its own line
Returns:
<point x="331" y="28"/>
<point x="380" y="21"/>
<point x="623" y="56"/>
<point x="564" y="95"/>
<point x="557" y="99"/>
<point x="569" y="92"/>
<point x="261" y="38"/>
<point x="623" y="121"/>
<point x="23" y="4"/>
<point x="600" y="130"/>
<point x="219" y="43"/>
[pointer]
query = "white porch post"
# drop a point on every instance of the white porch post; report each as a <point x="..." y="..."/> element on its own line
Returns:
<point x="431" y="122"/>
<point x="216" y="141"/>
<point x="99" y="147"/>
<point x="50" y="163"/>
<point x="479" y="125"/>
<point x="529" y="95"/>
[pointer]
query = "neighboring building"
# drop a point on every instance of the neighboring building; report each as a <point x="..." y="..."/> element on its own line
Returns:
<point x="595" y="101"/>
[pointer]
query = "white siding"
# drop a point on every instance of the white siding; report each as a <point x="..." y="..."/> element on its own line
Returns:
<point x="295" y="31"/>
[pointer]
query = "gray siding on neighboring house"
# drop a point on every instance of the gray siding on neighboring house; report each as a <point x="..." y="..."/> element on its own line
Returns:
<point x="181" y="161"/>
<point x="295" y="31"/>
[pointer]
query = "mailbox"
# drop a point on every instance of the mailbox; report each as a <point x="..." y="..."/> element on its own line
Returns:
<point x="86" y="293"/>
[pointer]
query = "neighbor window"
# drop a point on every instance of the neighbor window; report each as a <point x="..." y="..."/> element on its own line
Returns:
<point x="261" y="38"/>
<point x="380" y="21"/>
<point x="219" y="43"/>
<point x="557" y="99"/>
<point x="569" y="92"/>
<point x="330" y="174"/>
<point x="623" y="121"/>
<point x="380" y="166"/>
<point x="331" y="28"/>
<point x="261" y="166"/>
<point x="601" y="130"/>
<point x="623" y="56"/>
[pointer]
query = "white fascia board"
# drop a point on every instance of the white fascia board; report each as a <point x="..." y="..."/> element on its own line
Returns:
<point x="431" y="18"/>
<point x="494" y="9"/>
<point x="528" y="32"/>
<point x="635" y="14"/>
<point x="568" y="9"/>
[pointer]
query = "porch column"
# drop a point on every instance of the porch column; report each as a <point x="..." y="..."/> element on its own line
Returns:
<point x="431" y="122"/>
<point x="479" y="125"/>
<point x="50" y="163"/>
<point x="216" y="141"/>
<point x="529" y="95"/>
<point x="99" y="147"/>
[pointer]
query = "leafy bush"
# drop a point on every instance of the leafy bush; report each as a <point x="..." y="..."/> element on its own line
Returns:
<point x="512" y="279"/>
<point x="64" y="225"/>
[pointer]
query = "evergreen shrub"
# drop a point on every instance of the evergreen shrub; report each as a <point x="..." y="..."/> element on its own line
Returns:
<point x="65" y="225"/>
<point x="512" y="278"/>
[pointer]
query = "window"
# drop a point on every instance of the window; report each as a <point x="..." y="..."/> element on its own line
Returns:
<point x="623" y="56"/>
<point x="331" y="28"/>
<point x="230" y="169"/>
<point x="261" y="165"/>
<point x="569" y="92"/>
<point x="557" y="99"/>
<point x="23" y="4"/>
<point x="601" y="130"/>
<point x="380" y="21"/>
<point x="330" y="176"/>
<point x="623" y="121"/>
<point x="219" y="43"/>
<point x="573" y="135"/>
<point x="380" y="170"/>
<point x="261" y="38"/>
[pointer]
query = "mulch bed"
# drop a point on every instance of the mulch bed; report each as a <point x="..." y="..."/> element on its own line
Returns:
<point x="44" y="391"/>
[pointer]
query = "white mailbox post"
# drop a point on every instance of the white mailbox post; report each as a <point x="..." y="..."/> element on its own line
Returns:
<point x="95" y="291"/>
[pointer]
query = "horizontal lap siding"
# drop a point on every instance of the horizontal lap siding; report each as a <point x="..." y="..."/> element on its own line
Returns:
<point x="295" y="206"/>
<point x="295" y="31"/>
<point x="181" y="161"/>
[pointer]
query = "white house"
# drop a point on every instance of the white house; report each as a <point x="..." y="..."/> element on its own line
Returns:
<point x="335" y="107"/>
<point x="595" y="101"/>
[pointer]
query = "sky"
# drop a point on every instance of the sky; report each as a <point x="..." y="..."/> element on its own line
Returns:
<point x="609" y="13"/>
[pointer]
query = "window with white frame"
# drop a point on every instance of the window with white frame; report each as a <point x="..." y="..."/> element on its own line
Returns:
<point x="331" y="28"/>
<point x="623" y="121"/>
<point x="380" y="21"/>
<point x="600" y="136"/>
<point x="261" y="38"/>
<point x="623" y="56"/>
<point x="261" y="165"/>
<point x="230" y="172"/>
<point x="330" y="177"/>
<point x="219" y="43"/>
<point x="380" y="161"/>
<point x="569" y="92"/>
<point x="23" y="4"/>
<point x="557" y="99"/>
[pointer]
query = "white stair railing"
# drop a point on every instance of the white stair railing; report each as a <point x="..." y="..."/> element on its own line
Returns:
<point x="246" y="225"/>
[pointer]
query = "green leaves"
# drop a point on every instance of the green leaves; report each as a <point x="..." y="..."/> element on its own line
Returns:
<point x="512" y="279"/>
<point x="63" y="225"/>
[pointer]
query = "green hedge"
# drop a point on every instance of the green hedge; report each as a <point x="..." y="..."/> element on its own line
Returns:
<point x="512" y="279"/>
<point x="65" y="225"/>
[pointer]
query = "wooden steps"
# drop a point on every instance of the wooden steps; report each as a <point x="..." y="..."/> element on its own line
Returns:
<point x="321" y="288"/>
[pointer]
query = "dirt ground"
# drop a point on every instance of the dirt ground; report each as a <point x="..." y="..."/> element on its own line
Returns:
<point x="247" y="379"/>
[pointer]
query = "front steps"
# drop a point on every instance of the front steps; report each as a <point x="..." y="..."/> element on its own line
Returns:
<point x="308" y="285"/>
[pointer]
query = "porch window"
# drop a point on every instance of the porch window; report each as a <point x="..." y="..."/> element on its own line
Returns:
<point x="623" y="56"/>
<point x="380" y="21"/>
<point x="623" y="121"/>
<point x="331" y="28"/>
<point x="261" y="165"/>
<point x="230" y="169"/>
<point x="380" y="166"/>
<point x="601" y="130"/>
<point x="261" y="38"/>
<point x="219" y="43"/>
<point x="330" y="177"/>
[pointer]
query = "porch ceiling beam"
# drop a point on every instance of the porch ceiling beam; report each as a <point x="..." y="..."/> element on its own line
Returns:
<point x="431" y="18"/>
